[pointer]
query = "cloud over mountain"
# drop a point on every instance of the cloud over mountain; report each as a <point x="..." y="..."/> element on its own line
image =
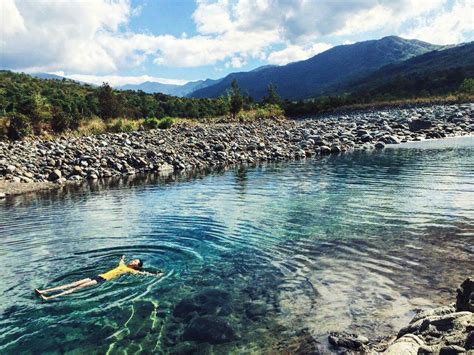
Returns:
<point x="95" y="37"/>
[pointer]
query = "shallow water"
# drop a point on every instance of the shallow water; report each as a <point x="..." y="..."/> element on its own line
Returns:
<point x="263" y="255"/>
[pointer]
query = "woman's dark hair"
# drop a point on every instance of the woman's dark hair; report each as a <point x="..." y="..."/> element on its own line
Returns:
<point x="140" y="262"/>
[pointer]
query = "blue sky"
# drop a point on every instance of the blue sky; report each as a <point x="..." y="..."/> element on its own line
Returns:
<point x="174" y="41"/>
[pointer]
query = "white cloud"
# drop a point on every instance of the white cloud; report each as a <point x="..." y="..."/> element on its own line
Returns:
<point x="91" y="36"/>
<point x="212" y="18"/>
<point x="387" y="16"/>
<point x="61" y="35"/>
<point x="236" y="62"/>
<point x="205" y="50"/>
<point x="293" y="53"/>
<point x="446" y="27"/>
<point x="12" y="21"/>
<point x="117" y="80"/>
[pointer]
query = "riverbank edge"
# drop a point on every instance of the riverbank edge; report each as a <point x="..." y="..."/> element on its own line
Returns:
<point x="416" y="129"/>
<point x="11" y="189"/>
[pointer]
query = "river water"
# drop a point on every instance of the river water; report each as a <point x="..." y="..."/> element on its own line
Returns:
<point x="255" y="259"/>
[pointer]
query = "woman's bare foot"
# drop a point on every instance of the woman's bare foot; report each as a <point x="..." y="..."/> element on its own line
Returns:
<point x="38" y="292"/>
<point x="44" y="297"/>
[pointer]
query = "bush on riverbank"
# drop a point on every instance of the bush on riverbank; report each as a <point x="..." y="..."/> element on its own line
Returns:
<point x="166" y="123"/>
<point x="151" y="122"/>
<point x="19" y="126"/>
<point x="123" y="125"/>
<point x="154" y="123"/>
<point x="261" y="113"/>
<point x="62" y="121"/>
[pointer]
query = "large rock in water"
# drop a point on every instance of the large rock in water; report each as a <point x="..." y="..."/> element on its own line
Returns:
<point x="419" y="125"/>
<point x="209" y="329"/>
<point x="347" y="340"/>
<point x="443" y="330"/>
<point x="465" y="297"/>
<point x="408" y="345"/>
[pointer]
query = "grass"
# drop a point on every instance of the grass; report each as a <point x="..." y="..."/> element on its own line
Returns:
<point x="91" y="127"/>
<point x="4" y="122"/>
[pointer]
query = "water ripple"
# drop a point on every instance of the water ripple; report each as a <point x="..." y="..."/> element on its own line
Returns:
<point x="350" y="242"/>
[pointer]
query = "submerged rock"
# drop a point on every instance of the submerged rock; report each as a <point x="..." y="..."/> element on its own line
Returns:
<point x="209" y="329"/>
<point x="347" y="340"/>
<point x="207" y="302"/>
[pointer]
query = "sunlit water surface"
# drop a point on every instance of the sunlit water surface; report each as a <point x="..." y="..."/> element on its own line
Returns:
<point x="352" y="242"/>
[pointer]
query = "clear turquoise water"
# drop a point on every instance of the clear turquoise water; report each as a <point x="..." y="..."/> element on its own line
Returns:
<point x="351" y="242"/>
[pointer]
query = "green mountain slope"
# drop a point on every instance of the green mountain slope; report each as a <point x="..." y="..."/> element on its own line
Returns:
<point x="313" y="76"/>
<point x="437" y="72"/>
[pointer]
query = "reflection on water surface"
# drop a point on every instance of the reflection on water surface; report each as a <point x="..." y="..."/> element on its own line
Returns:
<point x="255" y="258"/>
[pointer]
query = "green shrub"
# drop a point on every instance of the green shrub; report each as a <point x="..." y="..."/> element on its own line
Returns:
<point x="62" y="121"/>
<point x="121" y="125"/>
<point x="151" y="123"/>
<point x="269" y="111"/>
<point x="166" y="123"/>
<point x="19" y="127"/>
<point x="467" y="86"/>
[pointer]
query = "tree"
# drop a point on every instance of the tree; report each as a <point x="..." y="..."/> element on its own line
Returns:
<point x="19" y="127"/>
<point x="467" y="86"/>
<point x="236" y="99"/>
<point x="62" y="121"/>
<point x="108" y="105"/>
<point x="272" y="97"/>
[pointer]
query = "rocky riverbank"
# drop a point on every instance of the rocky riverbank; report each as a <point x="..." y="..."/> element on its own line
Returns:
<point x="186" y="147"/>
<point x="443" y="330"/>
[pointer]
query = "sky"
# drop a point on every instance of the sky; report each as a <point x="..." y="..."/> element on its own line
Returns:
<point x="175" y="41"/>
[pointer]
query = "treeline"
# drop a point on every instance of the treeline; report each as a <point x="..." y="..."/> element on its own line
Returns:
<point x="39" y="97"/>
<point x="400" y="88"/>
<point x="32" y="105"/>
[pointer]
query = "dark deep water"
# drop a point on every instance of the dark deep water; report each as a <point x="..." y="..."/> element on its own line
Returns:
<point x="352" y="242"/>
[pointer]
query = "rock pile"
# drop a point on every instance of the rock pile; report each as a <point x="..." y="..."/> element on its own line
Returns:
<point x="186" y="147"/>
<point x="443" y="330"/>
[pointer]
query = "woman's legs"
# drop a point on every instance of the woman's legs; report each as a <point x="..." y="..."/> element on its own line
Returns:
<point x="71" y="290"/>
<point x="63" y="287"/>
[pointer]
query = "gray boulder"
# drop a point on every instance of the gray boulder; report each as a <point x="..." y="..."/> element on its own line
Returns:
<point x="55" y="175"/>
<point x="465" y="296"/>
<point x="419" y="125"/>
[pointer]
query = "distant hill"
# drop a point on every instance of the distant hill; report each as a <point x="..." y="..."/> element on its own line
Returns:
<point x="437" y="72"/>
<point x="152" y="87"/>
<point x="48" y="76"/>
<point x="313" y="76"/>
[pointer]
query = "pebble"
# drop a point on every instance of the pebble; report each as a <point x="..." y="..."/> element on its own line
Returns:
<point x="187" y="147"/>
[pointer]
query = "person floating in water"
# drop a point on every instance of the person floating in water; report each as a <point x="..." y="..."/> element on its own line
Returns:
<point x="133" y="267"/>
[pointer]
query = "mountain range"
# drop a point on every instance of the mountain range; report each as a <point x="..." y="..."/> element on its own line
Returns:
<point x="362" y="66"/>
<point x="311" y="77"/>
<point x="438" y="72"/>
<point x="151" y="87"/>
